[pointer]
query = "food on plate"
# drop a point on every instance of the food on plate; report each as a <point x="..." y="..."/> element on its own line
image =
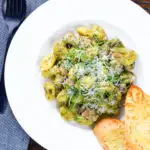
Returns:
<point x="137" y="119"/>
<point x="111" y="134"/>
<point x="88" y="74"/>
<point x="134" y="132"/>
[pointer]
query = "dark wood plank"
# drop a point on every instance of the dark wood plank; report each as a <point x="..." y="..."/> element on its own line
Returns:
<point x="34" y="146"/>
<point x="146" y="6"/>
<point x="143" y="3"/>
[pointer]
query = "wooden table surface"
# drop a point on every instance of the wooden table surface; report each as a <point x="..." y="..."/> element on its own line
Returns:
<point x="143" y="3"/>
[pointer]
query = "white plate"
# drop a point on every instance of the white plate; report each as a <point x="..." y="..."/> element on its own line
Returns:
<point x="40" y="118"/>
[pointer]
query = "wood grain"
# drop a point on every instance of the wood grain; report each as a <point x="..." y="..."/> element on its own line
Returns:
<point x="142" y="1"/>
<point x="34" y="146"/>
<point x="144" y="4"/>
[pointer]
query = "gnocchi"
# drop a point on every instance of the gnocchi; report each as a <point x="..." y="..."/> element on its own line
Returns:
<point x="88" y="74"/>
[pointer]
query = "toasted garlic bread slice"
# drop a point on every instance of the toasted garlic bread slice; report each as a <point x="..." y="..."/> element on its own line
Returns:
<point x="137" y="119"/>
<point x="110" y="133"/>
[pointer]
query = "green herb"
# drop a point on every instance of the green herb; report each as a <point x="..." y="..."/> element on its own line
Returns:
<point x="93" y="80"/>
<point x="98" y="41"/>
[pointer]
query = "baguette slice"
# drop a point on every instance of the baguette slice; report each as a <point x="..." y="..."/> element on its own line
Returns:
<point x="110" y="133"/>
<point x="137" y="119"/>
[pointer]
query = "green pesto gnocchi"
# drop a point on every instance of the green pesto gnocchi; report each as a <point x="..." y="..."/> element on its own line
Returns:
<point x="88" y="75"/>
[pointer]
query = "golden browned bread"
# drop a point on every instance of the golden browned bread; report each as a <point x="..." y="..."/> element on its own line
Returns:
<point x="110" y="133"/>
<point x="137" y="119"/>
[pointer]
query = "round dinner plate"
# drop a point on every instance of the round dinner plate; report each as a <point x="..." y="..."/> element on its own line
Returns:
<point x="34" y="39"/>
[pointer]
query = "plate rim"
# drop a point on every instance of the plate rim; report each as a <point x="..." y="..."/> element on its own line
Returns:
<point x="5" y="72"/>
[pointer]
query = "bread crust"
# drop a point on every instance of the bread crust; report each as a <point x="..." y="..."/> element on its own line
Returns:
<point x="110" y="133"/>
<point x="137" y="119"/>
<point x="134" y="134"/>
